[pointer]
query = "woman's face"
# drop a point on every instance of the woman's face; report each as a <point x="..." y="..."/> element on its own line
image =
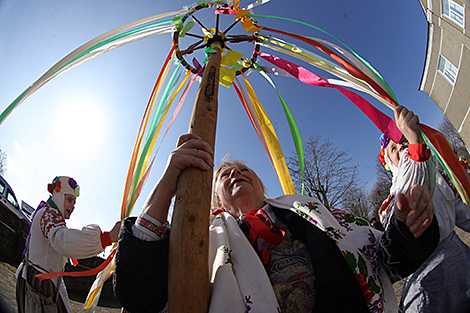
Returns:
<point x="239" y="189"/>
<point x="394" y="151"/>
<point x="69" y="205"/>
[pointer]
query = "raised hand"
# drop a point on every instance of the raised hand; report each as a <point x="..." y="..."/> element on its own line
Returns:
<point x="114" y="233"/>
<point x="415" y="209"/>
<point x="407" y="123"/>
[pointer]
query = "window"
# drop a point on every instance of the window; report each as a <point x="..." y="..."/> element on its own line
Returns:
<point x="2" y="187"/>
<point x="12" y="199"/>
<point x="454" y="11"/>
<point x="448" y="69"/>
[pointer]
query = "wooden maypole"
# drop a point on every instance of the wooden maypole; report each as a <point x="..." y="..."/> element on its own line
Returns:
<point x="188" y="273"/>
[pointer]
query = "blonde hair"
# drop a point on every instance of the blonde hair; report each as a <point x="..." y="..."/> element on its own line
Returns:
<point x="226" y="161"/>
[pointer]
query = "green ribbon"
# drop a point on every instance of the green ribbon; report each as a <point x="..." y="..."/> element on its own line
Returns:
<point x="294" y="129"/>
<point x="156" y="120"/>
<point x="208" y="51"/>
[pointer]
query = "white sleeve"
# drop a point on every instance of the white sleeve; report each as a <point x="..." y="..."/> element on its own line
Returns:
<point x="147" y="228"/>
<point x="411" y="172"/>
<point x="462" y="220"/>
<point x="444" y="208"/>
<point x="71" y="243"/>
<point x="74" y="243"/>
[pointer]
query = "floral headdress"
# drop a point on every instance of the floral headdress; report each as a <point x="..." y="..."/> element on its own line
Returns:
<point x="384" y="140"/>
<point x="65" y="184"/>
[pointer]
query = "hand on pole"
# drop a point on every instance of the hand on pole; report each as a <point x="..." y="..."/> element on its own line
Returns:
<point x="191" y="151"/>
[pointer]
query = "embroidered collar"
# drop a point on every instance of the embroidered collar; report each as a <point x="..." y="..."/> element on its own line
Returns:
<point x="52" y="204"/>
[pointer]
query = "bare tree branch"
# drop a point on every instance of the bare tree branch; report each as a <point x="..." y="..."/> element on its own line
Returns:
<point x="381" y="188"/>
<point x="329" y="173"/>
<point x="454" y="139"/>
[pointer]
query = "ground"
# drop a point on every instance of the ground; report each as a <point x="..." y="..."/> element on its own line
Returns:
<point x="8" y="298"/>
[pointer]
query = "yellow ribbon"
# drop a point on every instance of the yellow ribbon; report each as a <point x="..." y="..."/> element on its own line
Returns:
<point x="248" y="25"/>
<point x="272" y="142"/>
<point x="226" y="76"/>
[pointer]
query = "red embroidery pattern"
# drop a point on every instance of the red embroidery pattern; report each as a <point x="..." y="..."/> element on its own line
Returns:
<point x="152" y="227"/>
<point x="50" y="219"/>
<point x="449" y="182"/>
<point x="384" y="210"/>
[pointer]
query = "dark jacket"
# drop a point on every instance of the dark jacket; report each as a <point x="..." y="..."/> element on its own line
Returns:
<point x="141" y="277"/>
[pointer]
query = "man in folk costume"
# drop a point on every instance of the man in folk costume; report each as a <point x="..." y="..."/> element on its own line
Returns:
<point x="50" y="243"/>
<point x="442" y="283"/>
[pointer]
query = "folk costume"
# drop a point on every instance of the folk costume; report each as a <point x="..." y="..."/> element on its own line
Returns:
<point x="50" y="243"/>
<point x="292" y="255"/>
<point x="442" y="283"/>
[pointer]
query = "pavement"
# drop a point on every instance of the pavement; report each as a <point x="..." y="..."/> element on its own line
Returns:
<point x="8" y="293"/>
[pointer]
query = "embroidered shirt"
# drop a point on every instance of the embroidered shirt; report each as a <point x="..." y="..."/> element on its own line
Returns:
<point x="291" y="274"/>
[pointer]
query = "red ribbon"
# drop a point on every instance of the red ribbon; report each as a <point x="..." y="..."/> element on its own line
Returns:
<point x="261" y="226"/>
<point x="442" y="145"/>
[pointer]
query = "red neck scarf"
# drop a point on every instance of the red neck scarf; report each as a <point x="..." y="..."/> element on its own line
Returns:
<point x="262" y="226"/>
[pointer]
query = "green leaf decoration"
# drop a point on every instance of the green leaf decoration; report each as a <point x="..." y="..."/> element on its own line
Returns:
<point x="373" y="286"/>
<point x="350" y="259"/>
<point x="362" y="266"/>
<point x="361" y="222"/>
<point x="349" y="218"/>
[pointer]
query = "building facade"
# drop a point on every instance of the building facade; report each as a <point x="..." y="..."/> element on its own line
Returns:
<point x="446" y="74"/>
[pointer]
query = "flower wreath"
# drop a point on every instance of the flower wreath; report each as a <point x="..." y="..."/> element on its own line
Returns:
<point x="384" y="140"/>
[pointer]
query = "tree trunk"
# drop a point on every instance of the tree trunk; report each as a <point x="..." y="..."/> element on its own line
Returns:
<point x="188" y="273"/>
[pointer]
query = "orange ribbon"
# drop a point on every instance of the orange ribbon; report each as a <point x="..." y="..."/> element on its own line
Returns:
<point x="94" y="271"/>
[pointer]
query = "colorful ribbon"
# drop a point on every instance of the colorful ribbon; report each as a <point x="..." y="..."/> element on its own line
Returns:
<point x="272" y="141"/>
<point x="78" y="274"/>
<point x="106" y="42"/>
<point x="326" y="65"/>
<point x="294" y="129"/>
<point x="345" y="63"/>
<point x="363" y="61"/>
<point x="250" y="111"/>
<point x="382" y="121"/>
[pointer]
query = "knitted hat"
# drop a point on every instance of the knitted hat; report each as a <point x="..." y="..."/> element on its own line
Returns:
<point x="64" y="184"/>
<point x="60" y="186"/>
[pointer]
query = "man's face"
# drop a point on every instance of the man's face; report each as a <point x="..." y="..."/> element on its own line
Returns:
<point x="394" y="151"/>
<point x="69" y="205"/>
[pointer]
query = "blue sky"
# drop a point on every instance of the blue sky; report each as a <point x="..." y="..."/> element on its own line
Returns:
<point x="84" y="123"/>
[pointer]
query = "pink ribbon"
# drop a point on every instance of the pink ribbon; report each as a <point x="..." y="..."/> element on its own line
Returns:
<point x="383" y="122"/>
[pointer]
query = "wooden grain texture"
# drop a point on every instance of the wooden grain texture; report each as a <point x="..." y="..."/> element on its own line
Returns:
<point x="188" y="274"/>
